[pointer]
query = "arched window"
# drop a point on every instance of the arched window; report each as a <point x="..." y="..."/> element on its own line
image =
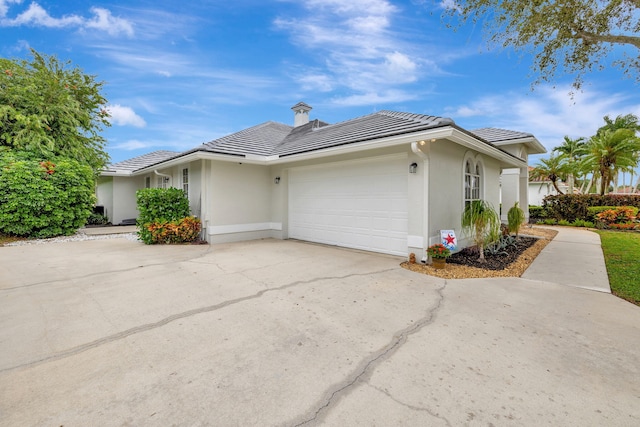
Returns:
<point x="472" y="175"/>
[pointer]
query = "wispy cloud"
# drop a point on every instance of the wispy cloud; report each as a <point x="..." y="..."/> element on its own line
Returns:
<point x="36" y="16"/>
<point x="548" y="113"/>
<point x="125" y="116"/>
<point x="362" y="53"/>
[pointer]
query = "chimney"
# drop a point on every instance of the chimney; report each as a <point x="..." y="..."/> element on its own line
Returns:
<point x="301" y="114"/>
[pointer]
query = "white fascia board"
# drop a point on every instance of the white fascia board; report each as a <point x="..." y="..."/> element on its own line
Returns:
<point x="115" y="173"/>
<point x="531" y="142"/>
<point x="202" y="155"/>
<point x="469" y="141"/>
<point x="437" y="133"/>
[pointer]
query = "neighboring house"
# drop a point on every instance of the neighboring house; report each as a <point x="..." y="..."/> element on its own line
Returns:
<point x="540" y="188"/>
<point x="386" y="182"/>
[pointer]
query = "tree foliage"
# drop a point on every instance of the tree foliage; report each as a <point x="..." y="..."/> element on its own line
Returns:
<point x="50" y="110"/>
<point x="43" y="198"/>
<point x="614" y="149"/>
<point x="575" y="36"/>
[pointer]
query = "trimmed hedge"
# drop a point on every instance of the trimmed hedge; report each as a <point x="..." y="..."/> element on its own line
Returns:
<point x="44" y="198"/>
<point x="162" y="214"/>
<point x="576" y="206"/>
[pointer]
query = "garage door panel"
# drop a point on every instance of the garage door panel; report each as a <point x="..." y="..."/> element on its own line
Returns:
<point x="360" y="204"/>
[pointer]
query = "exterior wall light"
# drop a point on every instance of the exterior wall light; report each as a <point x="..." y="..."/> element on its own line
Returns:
<point x="276" y="180"/>
<point x="413" y="167"/>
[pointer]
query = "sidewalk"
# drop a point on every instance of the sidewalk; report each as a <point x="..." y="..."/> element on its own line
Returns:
<point x="116" y="229"/>
<point x="573" y="258"/>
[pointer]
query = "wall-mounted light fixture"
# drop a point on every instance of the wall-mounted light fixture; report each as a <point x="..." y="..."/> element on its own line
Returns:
<point x="413" y="168"/>
<point x="276" y="180"/>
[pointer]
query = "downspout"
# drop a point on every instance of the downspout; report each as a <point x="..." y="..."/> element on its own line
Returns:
<point x="204" y="209"/>
<point x="425" y="208"/>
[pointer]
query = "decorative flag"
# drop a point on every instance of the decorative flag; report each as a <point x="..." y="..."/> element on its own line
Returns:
<point x="448" y="238"/>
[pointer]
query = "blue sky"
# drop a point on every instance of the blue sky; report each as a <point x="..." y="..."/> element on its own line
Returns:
<point x="182" y="73"/>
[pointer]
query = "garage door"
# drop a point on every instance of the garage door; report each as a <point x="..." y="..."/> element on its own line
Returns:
<point x="358" y="204"/>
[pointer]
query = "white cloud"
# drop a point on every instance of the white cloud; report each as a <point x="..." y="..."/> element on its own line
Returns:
<point x="132" y="144"/>
<point x="362" y="52"/>
<point x="123" y="116"/>
<point x="375" y="98"/>
<point x="4" y="6"/>
<point x="35" y="15"/>
<point x="103" y="20"/>
<point x="547" y="113"/>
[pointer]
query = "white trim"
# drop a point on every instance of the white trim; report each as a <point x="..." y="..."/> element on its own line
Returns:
<point x="244" y="228"/>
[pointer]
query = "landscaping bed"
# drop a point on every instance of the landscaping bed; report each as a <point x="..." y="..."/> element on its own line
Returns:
<point x="465" y="264"/>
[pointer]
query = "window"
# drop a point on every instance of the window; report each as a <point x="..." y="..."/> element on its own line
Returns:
<point x="472" y="175"/>
<point x="147" y="182"/>
<point x="162" y="181"/>
<point x="185" y="181"/>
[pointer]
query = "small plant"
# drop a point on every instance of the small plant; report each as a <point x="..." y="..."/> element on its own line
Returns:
<point x="564" y="222"/>
<point x="438" y="251"/>
<point x="582" y="223"/>
<point x="549" y="221"/>
<point x="515" y="218"/>
<point x="97" y="219"/>
<point x="481" y="220"/>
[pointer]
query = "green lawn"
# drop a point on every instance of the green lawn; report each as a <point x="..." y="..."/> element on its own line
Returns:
<point x="622" y="256"/>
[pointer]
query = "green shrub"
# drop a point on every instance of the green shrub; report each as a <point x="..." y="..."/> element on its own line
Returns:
<point x="549" y="221"/>
<point x="97" y="219"/>
<point x="537" y="212"/>
<point x="44" y="198"/>
<point x="159" y="206"/>
<point x="576" y="206"/>
<point x="582" y="223"/>
<point x="564" y="222"/>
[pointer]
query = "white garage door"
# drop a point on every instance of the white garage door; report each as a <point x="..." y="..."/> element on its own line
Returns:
<point x="357" y="204"/>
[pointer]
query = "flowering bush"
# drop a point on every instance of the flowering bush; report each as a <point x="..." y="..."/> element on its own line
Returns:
<point x="618" y="215"/>
<point x="184" y="230"/>
<point x="438" y="251"/>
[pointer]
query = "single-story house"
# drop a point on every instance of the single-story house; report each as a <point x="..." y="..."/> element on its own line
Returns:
<point x="539" y="188"/>
<point x="385" y="182"/>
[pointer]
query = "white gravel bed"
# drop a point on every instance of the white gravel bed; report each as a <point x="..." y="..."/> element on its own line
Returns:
<point x="78" y="237"/>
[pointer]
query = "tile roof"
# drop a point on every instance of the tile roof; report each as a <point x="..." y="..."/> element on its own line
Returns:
<point x="142" y="161"/>
<point x="277" y="139"/>
<point x="494" y="135"/>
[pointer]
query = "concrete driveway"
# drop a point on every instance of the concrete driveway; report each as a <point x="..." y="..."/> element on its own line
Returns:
<point x="112" y="333"/>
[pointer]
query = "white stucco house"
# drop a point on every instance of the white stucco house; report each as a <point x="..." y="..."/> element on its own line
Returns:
<point x="541" y="188"/>
<point x="385" y="182"/>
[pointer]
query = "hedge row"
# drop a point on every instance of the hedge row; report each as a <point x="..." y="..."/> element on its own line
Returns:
<point x="165" y="216"/>
<point x="570" y="207"/>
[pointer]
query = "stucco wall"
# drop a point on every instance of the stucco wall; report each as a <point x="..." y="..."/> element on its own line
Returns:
<point x="124" y="198"/>
<point x="446" y="184"/>
<point x="104" y="194"/>
<point x="238" y="197"/>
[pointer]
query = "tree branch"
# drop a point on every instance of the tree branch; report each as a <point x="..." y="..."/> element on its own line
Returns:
<point x="608" y="38"/>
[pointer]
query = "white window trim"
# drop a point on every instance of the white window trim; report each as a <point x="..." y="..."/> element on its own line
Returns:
<point x="475" y="162"/>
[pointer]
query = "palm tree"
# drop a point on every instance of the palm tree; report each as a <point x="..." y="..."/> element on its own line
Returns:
<point x="610" y="152"/>
<point x="481" y="220"/>
<point x="554" y="168"/>
<point x="628" y="121"/>
<point x="571" y="151"/>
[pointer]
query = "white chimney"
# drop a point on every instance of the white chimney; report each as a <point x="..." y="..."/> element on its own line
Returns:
<point x="301" y="114"/>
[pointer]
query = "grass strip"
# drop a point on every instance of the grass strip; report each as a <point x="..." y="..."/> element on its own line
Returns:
<point x="622" y="254"/>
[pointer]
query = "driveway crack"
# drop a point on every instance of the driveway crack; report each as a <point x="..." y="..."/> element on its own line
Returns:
<point x="412" y="407"/>
<point x="367" y="366"/>
<point x="160" y="323"/>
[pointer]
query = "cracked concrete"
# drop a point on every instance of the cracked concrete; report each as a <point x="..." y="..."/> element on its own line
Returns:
<point x="115" y="333"/>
